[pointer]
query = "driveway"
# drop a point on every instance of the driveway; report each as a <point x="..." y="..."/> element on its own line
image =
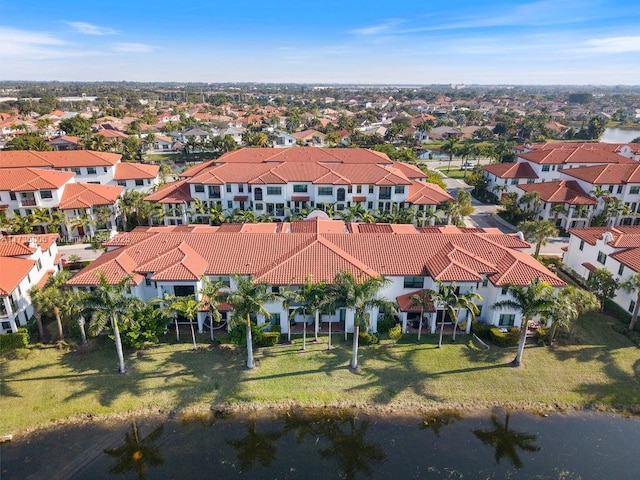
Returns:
<point x="83" y="250"/>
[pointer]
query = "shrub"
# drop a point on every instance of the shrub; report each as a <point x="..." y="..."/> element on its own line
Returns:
<point x="366" y="338"/>
<point x="14" y="341"/>
<point x="238" y="335"/>
<point x="541" y="336"/>
<point x="274" y="328"/>
<point x="385" y="324"/>
<point x="269" y="339"/>
<point x="146" y="326"/>
<point x="509" y="338"/>
<point x="482" y="330"/>
<point x="616" y="311"/>
<point x="395" y="333"/>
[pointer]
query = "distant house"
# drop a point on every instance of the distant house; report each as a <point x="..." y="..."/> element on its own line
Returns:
<point x="312" y="138"/>
<point x="64" y="142"/>
<point x="283" y="139"/>
<point x="443" y="133"/>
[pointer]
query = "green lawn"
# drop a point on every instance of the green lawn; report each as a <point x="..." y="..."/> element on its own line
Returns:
<point x="49" y="384"/>
<point x="455" y="172"/>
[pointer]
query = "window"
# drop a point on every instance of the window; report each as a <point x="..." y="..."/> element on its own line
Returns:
<point x="370" y="188"/>
<point x="413" y="282"/>
<point x="505" y="290"/>
<point x="632" y="306"/>
<point x="514" y="181"/>
<point x="328" y="191"/>
<point x="139" y="182"/>
<point x="76" y="170"/>
<point x="46" y="194"/>
<point x="399" y="189"/>
<point x="581" y="247"/>
<point x="369" y="205"/>
<point x="602" y="258"/>
<point x="147" y="281"/>
<point x="299" y="189"/>
<point x="240" y="188"/>
<point x="358" y="188"/>
<point x="38" y="264"/>
<point x="229" y="204"/>
<point x="183" y="290"/>
<point x="274" y="319"/>
<point x="545" y="168"/>
<point x="223" y="279"/>
<point x="275" y="289"/>
<point x="259" y="206"/>
<point x="91" y="170"/>
<point x="12" y="196"/>
<point x="619" y="189"/>
<point x="506" y="320"/>
<point x="198" y="188"/>
<point x="385" y="193"/>
<point x="3" y="308"/>
<point x="274" y="190"/>
<point x="121" y="183"/>
<point x="634" y="190"/>
<point x="228" y="188"/>
<point x="214" y="191"/>
<point x="6" y="325"/>
<point x="104" y="169"/>
<point x="621" y="269"/>
<point x="485" y="282"/>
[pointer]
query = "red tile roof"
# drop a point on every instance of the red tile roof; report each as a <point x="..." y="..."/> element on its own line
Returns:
<point x="176" y="192"/>
<point x="563" y="191"/>
<point x="511" y="170"/>
<point x="606" y="174"/>
<point x="133" y="171"/>
<point x="32" y="179"/>
<point x="18" y="245"/>
<point x="422" y="193"/>
<point x="405" y="302"/>
<point x="583" y="153"/>
<point x="87" y="195"/>
<point x="62" y="159"/>
<point x="624" y="238"/>
<point x="13" y="271"/>
<point x="276" y="253"/>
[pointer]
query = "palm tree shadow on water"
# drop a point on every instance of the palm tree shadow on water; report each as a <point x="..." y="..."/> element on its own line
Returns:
<point x="137" y="453"/>
<point x="506" y="441"/>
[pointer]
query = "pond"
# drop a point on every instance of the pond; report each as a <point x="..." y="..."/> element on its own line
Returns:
<point x="619" y="135"/>
<point x="328" y="444"/>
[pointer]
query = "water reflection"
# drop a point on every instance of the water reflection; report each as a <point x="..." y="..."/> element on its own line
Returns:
<point x="137" y="454"/>
<point x="442" y="419"/>
<point x="507" y="442"/>
<point x="341" y="437"/>
<point x="256" y="447"/>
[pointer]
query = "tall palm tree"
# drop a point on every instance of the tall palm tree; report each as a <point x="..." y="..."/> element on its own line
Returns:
<point x="360" y="295"/>
<point x="422" y="300"/>
<point x="632" y="284"/>
<point x="111" y="304"/>
<point x="446" y="296"/>
<point x="467" y="301"/>
<point x="39" y="302"/>
<point x="249" y="298"/>
<point x="450" y="147"/>
<point x="538" y="231"/>
<point x="532" y="300"/>
<point x="210" y="292"/>
<point x="569" y="305"/>
<point x="73" y="308"/>
<point x="310" y="297"/>
<point x="187" y="307"/>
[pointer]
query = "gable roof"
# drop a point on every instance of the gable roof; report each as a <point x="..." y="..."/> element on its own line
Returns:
<point x="626" y="239"/>
<point x="87" y="195"/>
<point x="607" y="174"/>
<point x="32" y="179"/>
<point x="132" y="171"/>
<point x="562" y="191"/>
<point x="61" y="159"/>
<point x="511" y="170"/>
<point x="13" y="271"/>
<point x="287" y="253"/>
<point x="582" y="153"/>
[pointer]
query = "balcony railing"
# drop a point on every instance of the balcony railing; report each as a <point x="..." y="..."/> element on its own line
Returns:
<point x="28" y="202"/>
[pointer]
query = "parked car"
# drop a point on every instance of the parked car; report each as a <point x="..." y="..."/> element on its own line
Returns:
<point x="466" y="165"/>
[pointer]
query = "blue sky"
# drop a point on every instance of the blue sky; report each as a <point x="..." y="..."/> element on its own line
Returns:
<point x="399" y="42"/>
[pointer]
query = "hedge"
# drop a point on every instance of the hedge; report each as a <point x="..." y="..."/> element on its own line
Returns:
<point x="13" y="341"/>
<point x="269" y="339"/>
<point x="492" y="333"/>
<point x="366" y="338"/>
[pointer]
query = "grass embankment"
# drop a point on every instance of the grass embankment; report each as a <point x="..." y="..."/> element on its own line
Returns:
<point x="50" y="384"/>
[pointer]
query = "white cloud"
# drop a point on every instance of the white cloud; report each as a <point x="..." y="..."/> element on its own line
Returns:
<point x="384" y="27"/>
<point x="91" y="29"/>
<point x="612" y="45"/>
<point x="133" y="47"/>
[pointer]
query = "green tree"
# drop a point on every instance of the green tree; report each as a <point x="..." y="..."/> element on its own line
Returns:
<point x="423" y="301"/>
<point x="211" y="292"/>
<point x="188" y="307"/>
<point x="538" y="231"/>
<point x="570" y="304"/>
<point x="602" y="284"/>
<point x="111" y="304"/>
<point x="249" y="298"/>
<point x="450" y="147"/>
<point x="631" y="285"/>
<point x="76" y="125"/>
<point x="357" y="294"/>
<point x="532" y="300"/>
<point x="28" y="142"/>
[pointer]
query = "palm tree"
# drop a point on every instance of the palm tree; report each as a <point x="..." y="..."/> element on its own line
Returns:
<point x="533" y="203"/>
<point x="187" y="307"/>
<point x="450" y="147"/>
<point x="211" y="292"/>
<point x="422" y="300"/>
<point x="73" y="308"/>
<point x="39" y="302"/>
<point x="558" y="209"/>
<point x="248" y="299"/>
<point x="311" y="298"/>
<point x="632" y="284"/>
<point x="466" y="301"/>
<point x="532" y="300"/>
<point x="52" y="297"/>
<point x="538" y="231"/>
<point x="569" y="305"/>
<point x="447" y="297"/>
<point x="111" y="304"/>
<point x="359" y="295"/>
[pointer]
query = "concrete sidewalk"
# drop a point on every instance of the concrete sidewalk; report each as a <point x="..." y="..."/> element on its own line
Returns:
<point x="83" y="250"/>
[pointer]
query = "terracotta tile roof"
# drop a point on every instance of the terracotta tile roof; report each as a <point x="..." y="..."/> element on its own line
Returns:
<point x="32" y="179"/>
<point x="176" y="192"/>
<point x="132" y="171"/>
<point x="563" y="191"/>
<point x="405" y="301"/>
<point x="624" y="238"/>
<point x="61" y="159"/>
<point x="591" y="234"/>
<point x="282" y="253"/>
<point x="583" y="153"/>
<point x="18" y="245"/>
<point x="511" y="170"/>
<point x="13" y="271"/>
<point x="109" y="133"/>
<point x="606" y="174"/>
<point x="590" y="266"/>
<point x="629" y="257"/>
<point x="87" y="195"/>
<point x="421" y="193"/>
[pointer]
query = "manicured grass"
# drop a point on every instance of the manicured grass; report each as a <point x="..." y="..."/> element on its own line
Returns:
<point x="455" y="172"/>
<point x="47" y="384"/>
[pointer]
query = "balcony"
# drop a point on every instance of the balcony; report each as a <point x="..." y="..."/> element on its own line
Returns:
<point x="28" y="202"/>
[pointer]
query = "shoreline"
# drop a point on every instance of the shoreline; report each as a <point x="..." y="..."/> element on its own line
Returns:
<point x="266" y="410"/>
